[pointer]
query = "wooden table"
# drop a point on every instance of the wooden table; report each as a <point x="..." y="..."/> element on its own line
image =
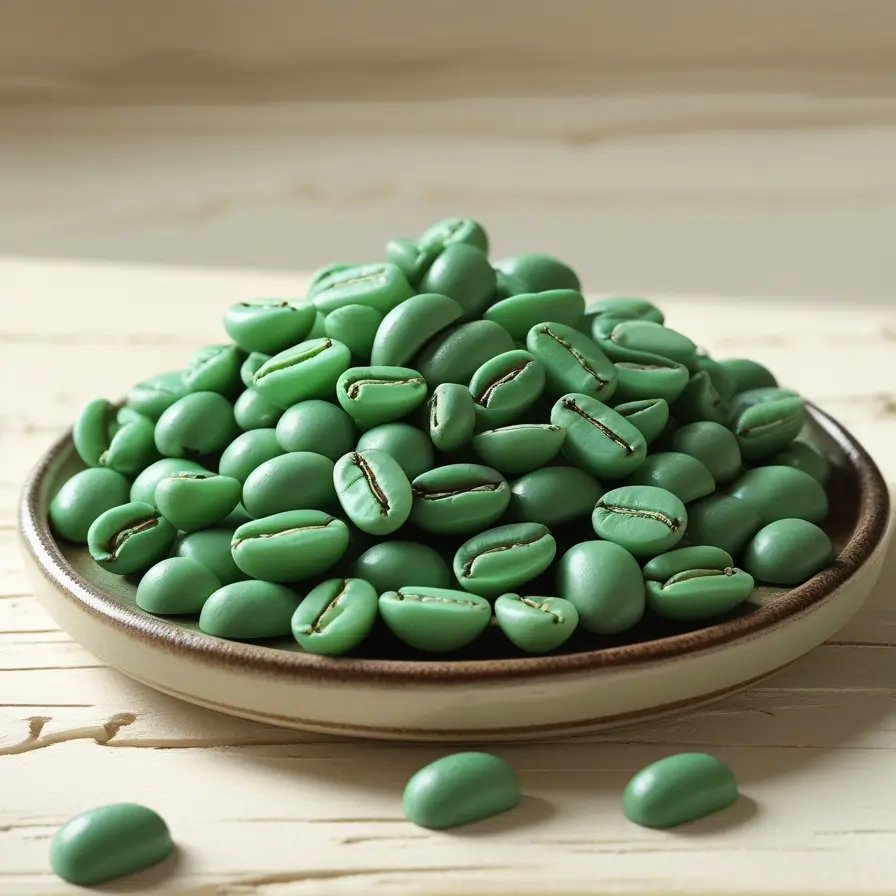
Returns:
<point x="259" y="810"/>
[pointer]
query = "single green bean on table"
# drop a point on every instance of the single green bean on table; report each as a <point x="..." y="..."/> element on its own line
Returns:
<point x="438" y="452"/>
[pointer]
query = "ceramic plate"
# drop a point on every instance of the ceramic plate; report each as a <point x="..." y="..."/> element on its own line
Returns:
<point x="489" y="694"/>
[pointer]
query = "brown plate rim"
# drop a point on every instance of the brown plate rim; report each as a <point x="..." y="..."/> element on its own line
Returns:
<point x="874" y="511"/>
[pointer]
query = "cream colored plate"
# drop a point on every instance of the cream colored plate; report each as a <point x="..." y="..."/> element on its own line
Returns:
<point x="659" y="668"/>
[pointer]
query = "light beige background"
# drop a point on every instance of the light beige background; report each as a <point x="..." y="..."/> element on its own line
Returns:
<point x="696" y="147"/>
<point x="742" y="152"/>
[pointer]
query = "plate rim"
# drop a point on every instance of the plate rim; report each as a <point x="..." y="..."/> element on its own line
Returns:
<point x="868" y="535"/>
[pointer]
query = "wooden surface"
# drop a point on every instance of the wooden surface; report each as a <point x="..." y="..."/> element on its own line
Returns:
<point x="258" y="810"/>
<point x="698" y="148"/>
<point x="702" y="148"/>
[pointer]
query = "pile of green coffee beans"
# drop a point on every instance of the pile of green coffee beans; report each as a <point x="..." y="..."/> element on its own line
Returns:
<point x="436" y="443"/>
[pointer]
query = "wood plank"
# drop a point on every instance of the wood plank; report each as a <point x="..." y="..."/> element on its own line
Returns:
<point x="570" y="819"/>
<point x="647" y="185"/>
<point x="789" y="710"/>
<point x="230" y="44"/>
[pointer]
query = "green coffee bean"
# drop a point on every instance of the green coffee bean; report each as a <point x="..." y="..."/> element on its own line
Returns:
<point x="788" y="552"/>
<point x="132" y="445"/>
<point x="721" y="378"/>
<point x="269" y="325"/>
<point x="129" y="538"/>
<point x="626" y="308"/>
<point x="107" y="842"/>
<point x="519" y="313"/>
<point x="251" y="366"/>
<point x="336" y="616"/>
<point x="598" y="326"/>
<point x="681" y="474"/>
<point x="251" y="411"/>
<point x="597" y="438"/>
<point x="501" y="559"/>
<point x="553" y="496"/>
<point x="354" y="326"/>
<point x="455" y="230"/>
<point x="670" y="564"/>
<point x="249" y="611"/>
<point x="375" y="395"/>
<point x="373" y="490"/>
<point x="506" y="387"/>
<point x="458" y="789"/>
<point x="536" y="624"/>
<point x="604" y="583"/>
<point x="211" y="549"/>
<point x="83" y="498"/>
<point x="768" y="427"/>
<point x="215" y="368"/>
<point x="521" y="447"/>
<point x="143" y="489"/>
<point x="713" y="445"/>
<point x="805" y="457"/>
<point x="723" y="522"/>
<point x="602" y="328"/>
<point x="196" y="500"/>
<point x="308" y="370"/>
<point x="249" y="451"/>
<point x="300" y="480"/>
<point x="677" y="789"/>
<point x="197" y="424"/>
<point x="328" y="270"/>
<point x="458" y="499"/>
<point x="126" y="415"/>
<point x="648" y="337"/>
<point x="649" y="416"/>
<point x="319" y="330"/>
<point x="410" y="447"/>
<point x="778" y="493"/>
<point x="648" y="377"/>
<point x="572" y="362"/>
<point x="93" y="430"/>
<point x="746" y="374"/>
<point x="452" y="416"/>
<point x="176" y="586"/>
<point x="287" y="547"/>
<point x="462" y="272"/>
<point x="457" y="353"/>
<point x="381" y="286"/>
<point x="750" y="398"/>
<point x="699" y="400"/>
<point x="695" y="595"/>
<point x="508" y="285"/>
<point x="235" y="518"/>
<point x="151" y="397"/>
<point x="539" y="272"/>
<point x="663" y="441"/>
<point x="643" y="519"/>
<point x="412" y="257"/>
<point x="437" y="620"/>
<point x="392" y="565"/>
<point x="408" y="326"/>
<point x="317" y="426"/>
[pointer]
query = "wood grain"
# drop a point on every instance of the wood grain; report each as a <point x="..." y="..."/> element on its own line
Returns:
<point x="711" y="181"/>
<point x="264" y="811"/>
